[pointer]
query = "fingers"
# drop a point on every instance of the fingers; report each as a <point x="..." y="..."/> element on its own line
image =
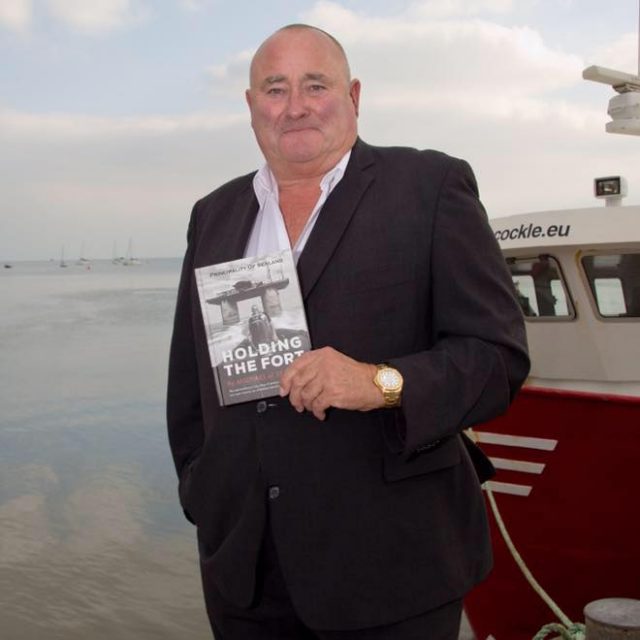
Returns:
<point x="304" y="389"/>
<point x="304" y="382"/>
<point x="325" y="378"/>
<point x="299" y="371"/>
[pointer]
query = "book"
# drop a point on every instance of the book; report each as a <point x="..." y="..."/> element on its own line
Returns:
<point x="254" y="321"/>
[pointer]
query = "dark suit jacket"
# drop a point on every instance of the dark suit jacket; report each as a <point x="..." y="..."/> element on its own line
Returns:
<point x="379" y="515"/>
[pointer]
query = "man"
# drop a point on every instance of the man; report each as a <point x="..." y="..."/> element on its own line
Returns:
<point x="260" y="327"/>
<point x="347" y="507"/>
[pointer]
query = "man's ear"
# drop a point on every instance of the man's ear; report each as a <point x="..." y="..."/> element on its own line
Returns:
<point x="354" y="92"/>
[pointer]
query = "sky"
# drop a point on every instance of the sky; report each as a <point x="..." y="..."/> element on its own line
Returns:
<point x="117" y="115"/>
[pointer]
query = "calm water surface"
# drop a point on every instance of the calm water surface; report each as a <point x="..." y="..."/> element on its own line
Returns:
<point x="93" y="545"/>
<point x="92" y="542"/>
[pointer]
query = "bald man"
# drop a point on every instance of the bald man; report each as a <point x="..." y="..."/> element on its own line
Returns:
<point x="347" y="507"/>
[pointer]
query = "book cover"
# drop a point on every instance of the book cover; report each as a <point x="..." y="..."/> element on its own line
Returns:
<point x="254" y="321"/>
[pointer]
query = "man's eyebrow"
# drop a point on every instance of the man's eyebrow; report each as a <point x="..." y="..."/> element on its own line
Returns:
<point x="321" y="77"/>
<point x="270" y="80"/>
<point x="278" y="78"/>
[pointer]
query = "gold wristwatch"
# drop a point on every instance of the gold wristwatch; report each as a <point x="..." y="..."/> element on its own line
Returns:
<point x="389" y="381"/>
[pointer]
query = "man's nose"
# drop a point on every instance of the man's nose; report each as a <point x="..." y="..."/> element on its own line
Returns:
<point x="297" y="106"/>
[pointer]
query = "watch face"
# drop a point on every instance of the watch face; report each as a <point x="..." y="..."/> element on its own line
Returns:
<point x="390" y="378"/>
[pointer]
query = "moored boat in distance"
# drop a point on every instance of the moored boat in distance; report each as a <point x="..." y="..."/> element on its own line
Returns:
<point x="130" y="260"/>
<point x="82" y="261"/>
<point x="567" y="450"/>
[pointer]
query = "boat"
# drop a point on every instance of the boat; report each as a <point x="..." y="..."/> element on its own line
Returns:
<point x="62" y="263"/>
<point x="130" y="260"/>
<point x="563" y="504"/>
<point x="116" y="259"/>
<point x="566" y="452"/>
<point x="82" y="261"/>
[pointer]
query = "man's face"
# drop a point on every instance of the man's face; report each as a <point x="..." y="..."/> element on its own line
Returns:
<point x="303" y="106"/>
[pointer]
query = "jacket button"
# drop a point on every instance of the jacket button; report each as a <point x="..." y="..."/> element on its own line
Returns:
<point x="261" y="406"/>
<point x="274" y="492"/>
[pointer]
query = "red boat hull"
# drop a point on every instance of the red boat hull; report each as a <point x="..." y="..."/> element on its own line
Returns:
<point x="578" y="530"/>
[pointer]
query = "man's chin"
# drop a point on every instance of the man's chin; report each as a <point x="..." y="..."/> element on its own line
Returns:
<point x="300" y="153"/>
<point x="301" y="144"/>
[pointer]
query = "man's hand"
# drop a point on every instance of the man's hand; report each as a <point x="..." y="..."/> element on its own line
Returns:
<point x="325" y="378"/>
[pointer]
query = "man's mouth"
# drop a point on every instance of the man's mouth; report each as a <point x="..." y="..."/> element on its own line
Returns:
<point x="297" y="129"/>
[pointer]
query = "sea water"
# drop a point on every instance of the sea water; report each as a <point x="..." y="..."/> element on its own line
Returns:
<point x="93" y="544"/>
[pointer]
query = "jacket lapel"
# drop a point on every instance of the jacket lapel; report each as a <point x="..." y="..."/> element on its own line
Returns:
<point x="231" y="240"/>
<point x="335" y="216"/>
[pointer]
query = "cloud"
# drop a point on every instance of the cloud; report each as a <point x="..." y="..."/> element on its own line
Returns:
<point x="231" y="78"/>
<point x="195" y="5"/>
<point x="433" y="57"/>
<point x="16" y="124"/>
<point x="621" y="55"/>
<point x="16" y="14"/>
<point x="97" y="16"/>
<point x="446" y="8"/>
<point x="125" y="172"/>
<point x="499" y="96"/>
<point x="468" y="65"/>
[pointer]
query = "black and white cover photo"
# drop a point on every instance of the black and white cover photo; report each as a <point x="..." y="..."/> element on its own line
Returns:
<point x="255" y="323"/>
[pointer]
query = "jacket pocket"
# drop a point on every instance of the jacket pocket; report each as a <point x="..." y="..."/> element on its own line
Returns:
<point x="184" y="492"/>
<point x="440" y="456"/>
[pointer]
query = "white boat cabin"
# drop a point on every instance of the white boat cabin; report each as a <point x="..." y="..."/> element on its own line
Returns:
<point x="577" y="276"/>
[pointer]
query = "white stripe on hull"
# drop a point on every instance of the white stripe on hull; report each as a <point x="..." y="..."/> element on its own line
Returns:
<point x="509" y="464"/>
<point x="508" y="487"/>
<point x="518" y="465"/>
<point x="528" y="442"/>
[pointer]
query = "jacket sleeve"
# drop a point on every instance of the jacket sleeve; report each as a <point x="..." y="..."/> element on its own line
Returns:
<point x="479" y="358"/>
<point x="184" y="412"/>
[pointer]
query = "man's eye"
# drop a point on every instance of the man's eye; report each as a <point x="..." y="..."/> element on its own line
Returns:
<point x="275" y="91"/>
<point x="316" y="88"/>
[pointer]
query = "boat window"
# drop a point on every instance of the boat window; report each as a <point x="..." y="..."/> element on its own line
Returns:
<point x="540" y="287"/>
<point x="615" y="283"/>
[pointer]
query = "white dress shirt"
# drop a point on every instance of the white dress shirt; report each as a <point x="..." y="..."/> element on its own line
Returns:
<point x="269" y="233"/>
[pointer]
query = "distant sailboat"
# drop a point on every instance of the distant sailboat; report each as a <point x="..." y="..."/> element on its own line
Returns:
<point x="82" y="261"/>
<point x="116" y="259"/>
<point x="62" y="262"/>
<point x="130" y="261"/>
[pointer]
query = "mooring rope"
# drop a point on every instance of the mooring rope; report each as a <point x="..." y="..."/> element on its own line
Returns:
<point x="574" y="631"/>
<point x="568" y="630"/>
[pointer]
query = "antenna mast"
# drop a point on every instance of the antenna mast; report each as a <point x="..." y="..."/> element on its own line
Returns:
<point x="624" y="108"/>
